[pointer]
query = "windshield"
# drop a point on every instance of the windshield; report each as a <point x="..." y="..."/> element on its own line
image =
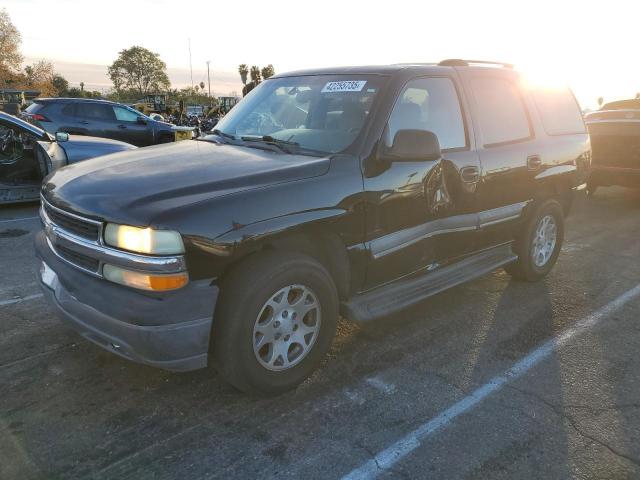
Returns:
<point x="321" y="113"/>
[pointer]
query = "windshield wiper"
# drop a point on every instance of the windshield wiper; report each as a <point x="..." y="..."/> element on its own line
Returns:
<point x="224" y="136"/>
<point x="220" y="133"/>
<point x="269" y="140"/>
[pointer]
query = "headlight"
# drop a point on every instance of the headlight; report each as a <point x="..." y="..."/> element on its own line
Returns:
<point x="143" y="240"/>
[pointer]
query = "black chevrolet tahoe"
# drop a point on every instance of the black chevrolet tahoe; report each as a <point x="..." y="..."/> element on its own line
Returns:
<point x="352" y="192"/>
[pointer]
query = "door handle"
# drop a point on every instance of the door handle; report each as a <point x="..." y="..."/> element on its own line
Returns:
<point x="83" y="122"/>
<point x="470" y="174"/>
<point x="122" y="126"/>
<point x="534" y="162"/>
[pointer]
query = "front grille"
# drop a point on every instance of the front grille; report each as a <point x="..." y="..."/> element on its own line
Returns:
<point x="78" y="259"/>
<point x="73" y="225"/>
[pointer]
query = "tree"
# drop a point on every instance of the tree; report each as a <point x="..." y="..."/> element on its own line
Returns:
<point x="40" y="76"/>
<point x="60" y="84"/>
<point x="10" y="56"/>
<point x="139" y="70"/>
<point x="243" y="70"/>
<point x="268" y="71"/>
<point x="255" y="75"/>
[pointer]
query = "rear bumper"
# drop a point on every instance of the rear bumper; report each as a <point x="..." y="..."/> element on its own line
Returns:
<point x="169" y="331"/>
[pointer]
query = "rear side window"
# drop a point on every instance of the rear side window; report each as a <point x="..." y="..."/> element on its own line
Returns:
<point x="96" y="111"/>
<point x="501" y="112"/>
<point x="559" y="111"/>
<point x="430" y="104"/>
<point x="69" y="110"/>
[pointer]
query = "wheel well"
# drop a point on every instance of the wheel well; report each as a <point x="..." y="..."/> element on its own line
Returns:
<point x="327" y="249"/>
<point x="560" y="189"/>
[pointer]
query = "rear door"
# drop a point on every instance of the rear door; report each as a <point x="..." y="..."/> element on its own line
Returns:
<point x="510" y="154"/>
<point x="421" y="214"/>
<point x="93" y="118"/>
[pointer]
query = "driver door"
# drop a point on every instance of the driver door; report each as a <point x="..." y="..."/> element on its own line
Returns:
<point x="421" y="215"/>
<point x="126" y="127"/>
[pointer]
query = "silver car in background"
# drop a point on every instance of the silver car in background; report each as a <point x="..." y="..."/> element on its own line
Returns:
<point x="28" y="154"/>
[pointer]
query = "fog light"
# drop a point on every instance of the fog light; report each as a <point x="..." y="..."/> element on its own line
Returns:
<point x="145" y="281"/>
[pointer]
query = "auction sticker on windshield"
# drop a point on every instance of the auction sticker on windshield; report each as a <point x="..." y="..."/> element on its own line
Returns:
<point x="344" y="86"/>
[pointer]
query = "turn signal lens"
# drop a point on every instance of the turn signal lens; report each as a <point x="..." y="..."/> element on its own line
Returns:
<point x="143" y="240"/>
<point x="145" y="281"/>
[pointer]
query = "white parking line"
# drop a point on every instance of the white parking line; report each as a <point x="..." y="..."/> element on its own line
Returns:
<point x="388" y="457"/>
<point x="20" y="299"/>
<point x="18" y="219"/>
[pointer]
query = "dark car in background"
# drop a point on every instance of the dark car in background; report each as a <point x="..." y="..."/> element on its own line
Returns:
<point x="28" y="154"/>
<point x="615" y="140"/>
<point x="99" y="118"/>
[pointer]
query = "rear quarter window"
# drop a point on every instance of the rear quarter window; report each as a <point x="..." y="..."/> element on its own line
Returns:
<point x="34" y="107"/>
<point x="559" y="111"/>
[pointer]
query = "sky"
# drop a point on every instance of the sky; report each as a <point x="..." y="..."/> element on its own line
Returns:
<point x="591" y="46"/>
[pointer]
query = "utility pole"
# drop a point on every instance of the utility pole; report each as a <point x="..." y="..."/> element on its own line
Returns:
<point x="190" y="65"/>
<point x="209" y="80"/>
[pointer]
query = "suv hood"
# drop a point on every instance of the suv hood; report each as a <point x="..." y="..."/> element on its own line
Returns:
<point x="134" y="187"/>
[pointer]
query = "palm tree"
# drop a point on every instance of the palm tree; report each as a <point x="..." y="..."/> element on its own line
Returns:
<point x="255" y="75"/>
<point x="268" y="71"/>
<point x="243" y="70"/>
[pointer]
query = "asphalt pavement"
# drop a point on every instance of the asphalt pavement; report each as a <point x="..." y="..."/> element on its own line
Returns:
<point x="493" y="379"/>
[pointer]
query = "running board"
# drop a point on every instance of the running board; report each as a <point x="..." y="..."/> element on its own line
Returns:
<point x="396" y="296"/>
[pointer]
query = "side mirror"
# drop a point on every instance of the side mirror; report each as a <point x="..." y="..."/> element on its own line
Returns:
<point x="141" y="120"/>
<point x="413" y="146"/>
<point x="62" y="137"/>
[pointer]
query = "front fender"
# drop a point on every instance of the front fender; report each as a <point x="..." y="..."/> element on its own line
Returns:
<point x="272" y="226"/>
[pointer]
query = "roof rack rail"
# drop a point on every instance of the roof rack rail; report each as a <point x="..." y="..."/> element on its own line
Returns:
<point x="459" y="62"/>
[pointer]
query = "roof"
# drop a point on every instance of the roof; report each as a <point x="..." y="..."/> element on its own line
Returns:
<point x="19" y="90"/>
<point x="72" y="100"/>
<point x="630" y="104"/>
<point x="393" y="69"/>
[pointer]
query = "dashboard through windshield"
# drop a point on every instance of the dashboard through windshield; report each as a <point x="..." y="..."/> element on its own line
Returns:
<point x="320" y="113"/>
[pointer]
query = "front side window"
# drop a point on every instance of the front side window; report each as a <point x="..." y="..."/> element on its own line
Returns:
<point x="323" y="113"/>
<point x="429" y="104"/>
<point x="125" y="115"/>
<point x="501" y="112"/>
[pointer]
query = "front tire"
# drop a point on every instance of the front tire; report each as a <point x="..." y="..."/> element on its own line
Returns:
<point x="276" y="317"/>
<point x="539" y="243"/>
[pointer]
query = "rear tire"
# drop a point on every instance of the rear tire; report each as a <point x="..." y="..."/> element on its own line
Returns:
<point x="539" y="243"/>
<point x="272" y="306"/>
